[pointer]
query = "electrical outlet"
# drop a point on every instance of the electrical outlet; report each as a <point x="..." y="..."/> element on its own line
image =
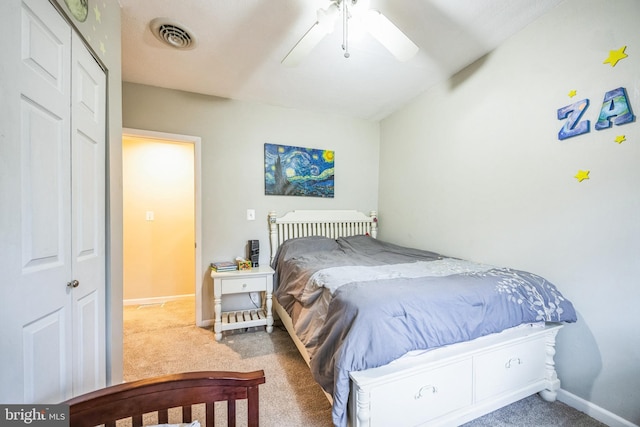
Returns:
<point x="255" y="297"/>
<point x="251" y="214"/>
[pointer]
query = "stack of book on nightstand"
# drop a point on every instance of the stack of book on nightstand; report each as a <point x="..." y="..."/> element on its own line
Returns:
<point x="224" y="266"/>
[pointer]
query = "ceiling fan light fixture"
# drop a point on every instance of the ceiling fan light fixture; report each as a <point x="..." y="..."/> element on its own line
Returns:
<point x="172" y="34"/>
<point x="378" y="25"/>
<point x="327" y="18"/>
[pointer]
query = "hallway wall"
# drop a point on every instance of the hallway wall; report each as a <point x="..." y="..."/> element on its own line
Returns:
<point x="158" y="198"/>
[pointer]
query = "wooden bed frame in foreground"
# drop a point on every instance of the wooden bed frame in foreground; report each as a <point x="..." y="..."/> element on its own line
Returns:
<point x="446" y="386"/>
<point x="130" y="401"/>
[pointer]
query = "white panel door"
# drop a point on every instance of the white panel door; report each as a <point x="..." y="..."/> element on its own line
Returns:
<point x="38" y="310"/>
<point x="36" y="315"/>
<point x="88" y="218"/>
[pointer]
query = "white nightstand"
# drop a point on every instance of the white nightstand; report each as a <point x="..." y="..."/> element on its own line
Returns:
<point x="258" y="279"/>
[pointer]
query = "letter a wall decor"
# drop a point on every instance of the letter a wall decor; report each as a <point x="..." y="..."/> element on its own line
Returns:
<point x="615" y="110"/>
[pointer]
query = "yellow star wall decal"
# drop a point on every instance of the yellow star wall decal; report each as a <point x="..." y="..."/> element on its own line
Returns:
<point x="615" y="56"/>
<point x="620" y="139"/>
<point x="96" y="11"/>
<point x="582" y="175"/>
<point x="572" y="93"/>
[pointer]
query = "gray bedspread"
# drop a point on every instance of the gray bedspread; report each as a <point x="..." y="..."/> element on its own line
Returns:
<point x="352" y="318"/>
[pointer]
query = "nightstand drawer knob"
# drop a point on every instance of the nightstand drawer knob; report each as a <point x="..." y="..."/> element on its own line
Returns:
<point x="244" y="285"/>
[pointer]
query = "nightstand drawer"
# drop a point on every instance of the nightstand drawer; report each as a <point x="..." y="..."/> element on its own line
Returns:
<point x="243" y="284"/>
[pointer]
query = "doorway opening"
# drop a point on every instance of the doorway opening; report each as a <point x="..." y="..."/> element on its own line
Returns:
<point x="161" y="218"/>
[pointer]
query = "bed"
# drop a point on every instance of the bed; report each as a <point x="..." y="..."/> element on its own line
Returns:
<point x="401" y="336"/>
<point x="153" y="401"/>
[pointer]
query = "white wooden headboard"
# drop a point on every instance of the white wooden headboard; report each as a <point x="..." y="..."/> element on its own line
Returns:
<point x="328" y="223"/>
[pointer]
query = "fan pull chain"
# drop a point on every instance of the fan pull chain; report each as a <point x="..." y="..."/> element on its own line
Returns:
<point x="345" y="28"/>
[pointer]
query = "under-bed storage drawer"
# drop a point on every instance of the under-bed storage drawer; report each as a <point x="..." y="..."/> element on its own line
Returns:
<point x="422" y="397"/>
<point x="509" y="368"/>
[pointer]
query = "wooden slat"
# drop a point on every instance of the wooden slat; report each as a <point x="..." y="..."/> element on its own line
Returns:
<point x="163" y="416"/>
<point x="211" y="414"/>
<point x="231" y="413"/>
<point x="253" y="407"/>
<point x="186" y="414"/>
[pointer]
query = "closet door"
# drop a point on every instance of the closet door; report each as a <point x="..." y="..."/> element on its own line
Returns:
<point x="88" y="156"/>
<point x="52" y="332"/>
<point x="37" y="319"/>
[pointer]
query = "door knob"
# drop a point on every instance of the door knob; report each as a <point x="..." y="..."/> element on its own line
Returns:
<point x="73" y="284"/>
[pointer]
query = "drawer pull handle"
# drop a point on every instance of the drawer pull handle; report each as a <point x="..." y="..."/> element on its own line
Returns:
<point x="424" y="390"/>
<point x="513" y="361"/>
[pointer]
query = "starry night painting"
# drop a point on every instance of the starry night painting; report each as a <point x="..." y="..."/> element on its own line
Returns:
<point x="298" y="171"/>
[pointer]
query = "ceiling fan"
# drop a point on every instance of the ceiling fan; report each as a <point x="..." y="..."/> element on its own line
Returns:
<point x="378" y="25"/>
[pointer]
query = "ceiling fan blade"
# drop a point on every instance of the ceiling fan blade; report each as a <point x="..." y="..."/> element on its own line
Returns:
<point x="390" y="36"/>
<point x="305" y="45"/>
<point x="324" y="25"/>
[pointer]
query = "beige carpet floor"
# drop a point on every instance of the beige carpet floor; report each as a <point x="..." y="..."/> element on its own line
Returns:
<point x="163" y="339"/>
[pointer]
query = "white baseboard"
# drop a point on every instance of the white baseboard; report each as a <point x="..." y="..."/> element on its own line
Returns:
<point x="593" y="410"/>
<point x="156" y="300"/>
<point x="206" y="323"/>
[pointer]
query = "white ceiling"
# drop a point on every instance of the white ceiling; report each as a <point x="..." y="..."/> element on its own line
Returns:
<point x="240" y="43"/>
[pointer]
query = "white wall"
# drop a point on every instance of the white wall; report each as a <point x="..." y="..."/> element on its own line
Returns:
<point x="233" y="136"/>
<point x="474" y="168"/>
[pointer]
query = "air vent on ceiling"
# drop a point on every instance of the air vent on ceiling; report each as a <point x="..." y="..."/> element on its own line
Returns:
<point x="175" y="35"/>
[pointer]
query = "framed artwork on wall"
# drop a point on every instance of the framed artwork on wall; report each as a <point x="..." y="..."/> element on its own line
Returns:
<point x="298" y="171"/>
